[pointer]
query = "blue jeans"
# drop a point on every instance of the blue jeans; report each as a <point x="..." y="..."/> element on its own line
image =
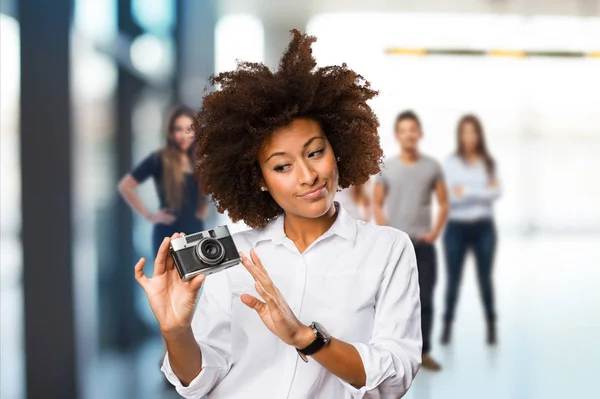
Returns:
<point x="460" y="237"/>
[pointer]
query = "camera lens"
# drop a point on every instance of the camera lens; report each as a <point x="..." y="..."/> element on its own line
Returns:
<point x="210" y="251"/>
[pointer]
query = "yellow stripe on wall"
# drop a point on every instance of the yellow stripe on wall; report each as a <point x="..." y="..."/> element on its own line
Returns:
<point x="508" y="53"/>
<point x="492" y="53"/>
<point x="406" y="51"/>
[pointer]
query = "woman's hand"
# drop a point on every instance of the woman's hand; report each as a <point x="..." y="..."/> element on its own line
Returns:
<point x="274" y="311"/>
<point x="458" y="191"/>
<point x="429" y="238"/>
<point x="162" y="217"/>
<point x="172" y="300"/>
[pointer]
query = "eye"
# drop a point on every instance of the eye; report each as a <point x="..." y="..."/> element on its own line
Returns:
<point x="317" y="152"/>
<point x="281" y="168"/>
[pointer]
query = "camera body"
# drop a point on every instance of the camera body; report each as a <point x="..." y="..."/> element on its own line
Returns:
<point x="205" y="252"/>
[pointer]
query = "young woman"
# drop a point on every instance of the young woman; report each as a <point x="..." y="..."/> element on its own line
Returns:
<point x="182" y="204"/>
<point x="473" y="185"/>
<point x="324" y="305"/>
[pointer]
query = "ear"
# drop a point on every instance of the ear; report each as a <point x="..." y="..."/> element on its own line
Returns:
<point x="262" y="185"/>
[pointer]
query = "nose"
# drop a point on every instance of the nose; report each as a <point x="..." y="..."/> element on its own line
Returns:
<point x="307" y="176"/>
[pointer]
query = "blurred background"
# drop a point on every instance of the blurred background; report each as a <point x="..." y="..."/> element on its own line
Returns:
<point x="85" y="89"/>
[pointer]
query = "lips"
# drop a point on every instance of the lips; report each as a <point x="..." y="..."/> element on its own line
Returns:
<point x="312" y="193"/>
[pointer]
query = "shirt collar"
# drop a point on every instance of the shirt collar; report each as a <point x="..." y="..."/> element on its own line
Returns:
<point x="344" y="226"/>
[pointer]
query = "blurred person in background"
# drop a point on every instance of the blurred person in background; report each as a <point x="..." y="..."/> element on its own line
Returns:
<point x="273" y="149"/>
<point x="471" y="176"/>
<point x="402" y="199"/>
<point x="182" y="204"/>
<point x="355" y="200"/>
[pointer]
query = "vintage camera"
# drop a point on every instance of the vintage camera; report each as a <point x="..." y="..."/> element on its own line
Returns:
<point x="206" y="252"/>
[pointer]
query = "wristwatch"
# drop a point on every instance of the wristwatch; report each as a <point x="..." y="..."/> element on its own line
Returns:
<point x="322" y="338"/>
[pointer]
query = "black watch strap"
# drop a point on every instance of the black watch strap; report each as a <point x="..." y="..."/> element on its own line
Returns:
<point x="322" y="338"/>
<point x="313" y="348"/>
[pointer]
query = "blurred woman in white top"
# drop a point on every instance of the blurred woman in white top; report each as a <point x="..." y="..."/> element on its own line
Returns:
<point x="472" y="179"/>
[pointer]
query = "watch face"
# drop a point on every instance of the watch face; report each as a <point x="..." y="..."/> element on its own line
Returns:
<point x="322" y="331"/>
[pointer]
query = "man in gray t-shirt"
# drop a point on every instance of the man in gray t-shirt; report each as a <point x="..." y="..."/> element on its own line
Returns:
<point x="408" y="192"/>
<point x="402" y="198"/>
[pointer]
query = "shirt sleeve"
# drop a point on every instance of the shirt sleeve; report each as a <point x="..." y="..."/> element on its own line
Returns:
<point x="471" y="194"/>
<point x="452" y="172"/>
<point x="150" y="166"/>
<point x="438" y="173"/>
<point x="212" y="329"/>
<point x="381" y="177"/>
<point x="487" y="193"/>
<point x="393" y="355"/>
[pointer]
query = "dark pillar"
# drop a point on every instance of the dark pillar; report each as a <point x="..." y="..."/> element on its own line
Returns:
<point x="195" y="61"/>
<point x="121" y="327"/>
<point x="46" y="199"/>
<point x="195" y="43"/>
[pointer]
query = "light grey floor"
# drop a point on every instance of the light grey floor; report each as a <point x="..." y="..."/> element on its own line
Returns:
<point x="548" y="294"/>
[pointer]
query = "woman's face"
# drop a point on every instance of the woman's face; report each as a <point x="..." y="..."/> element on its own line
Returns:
<point x="469" y="137"/>
<point x="299" y="168"/>
<point x="183" y="133"/>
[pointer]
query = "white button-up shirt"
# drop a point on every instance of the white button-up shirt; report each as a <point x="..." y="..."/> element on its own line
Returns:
<point x="358" y="280"/>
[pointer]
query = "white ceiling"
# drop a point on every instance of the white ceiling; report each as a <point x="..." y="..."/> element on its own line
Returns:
<point x="286" y="10"/>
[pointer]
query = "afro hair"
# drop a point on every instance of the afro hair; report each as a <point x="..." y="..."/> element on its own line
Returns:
<point x="252" y="101"/>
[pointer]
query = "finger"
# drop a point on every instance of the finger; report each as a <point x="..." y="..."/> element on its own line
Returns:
<point x="248" y="265"/>
<point x="253" y="269"/>
<point x="264" y="280"/>
<point x="257" y="261"/>
<point x="170" y="262"/>
<point x="196" y="282"/>
<point x="140" y="277"/>
<point x="253" y="302"/>
<point x="262" y="272"/>
<point x="267" y="297"/>
<point x="161" y="257"/>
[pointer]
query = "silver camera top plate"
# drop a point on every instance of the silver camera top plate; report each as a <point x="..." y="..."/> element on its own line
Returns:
<point x="189" y="241"/>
